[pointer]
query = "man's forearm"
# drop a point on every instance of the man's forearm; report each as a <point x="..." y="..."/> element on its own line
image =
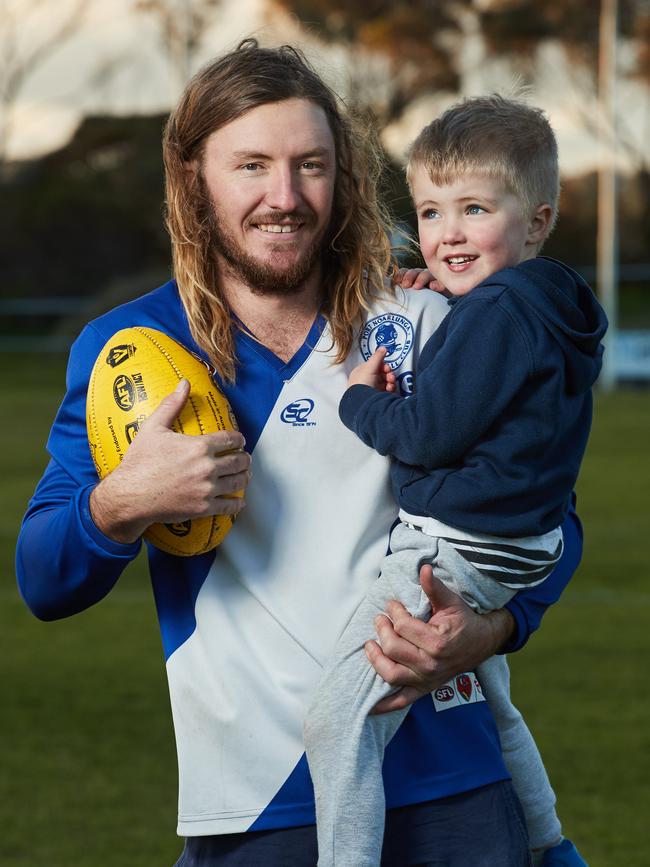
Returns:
<point x="503" y="627"/>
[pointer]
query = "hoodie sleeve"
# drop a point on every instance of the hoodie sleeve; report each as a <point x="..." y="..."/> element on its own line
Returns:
<point x="64" y="563"/>
<point x="484" y="361"/>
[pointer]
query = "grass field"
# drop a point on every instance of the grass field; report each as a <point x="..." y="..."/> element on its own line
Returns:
<point x="87" y="771"/>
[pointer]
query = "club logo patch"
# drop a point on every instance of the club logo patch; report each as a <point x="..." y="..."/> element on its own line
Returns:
<point x="297" y="412"/>
<point x="390" y="331"/>
<point x="463" y="691"/>
<point x="464" y="686"/>
<point x="406" y="383"/>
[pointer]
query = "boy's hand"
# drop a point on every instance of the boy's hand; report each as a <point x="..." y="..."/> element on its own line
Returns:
<point x="374" y="373"/>
<point x="420" y="278"/>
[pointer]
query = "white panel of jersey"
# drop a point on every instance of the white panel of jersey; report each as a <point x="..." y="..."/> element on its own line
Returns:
<point x="285" y="582"/>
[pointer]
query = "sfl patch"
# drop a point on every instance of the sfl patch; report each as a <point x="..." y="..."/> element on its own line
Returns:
<point x="390" y="331"/>
<point x="463" y="689"/>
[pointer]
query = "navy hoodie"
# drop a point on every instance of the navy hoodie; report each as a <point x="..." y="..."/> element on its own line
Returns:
<point x="492" y="438"/>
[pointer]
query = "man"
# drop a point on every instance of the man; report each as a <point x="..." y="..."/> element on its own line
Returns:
<point x="280" y="251"/>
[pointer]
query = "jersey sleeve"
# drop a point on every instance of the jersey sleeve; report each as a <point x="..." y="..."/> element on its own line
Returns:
<point x="529" y="606"/>
<point x="64" y="563"/>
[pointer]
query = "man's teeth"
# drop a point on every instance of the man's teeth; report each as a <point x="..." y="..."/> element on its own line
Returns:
<point x="460" y="260"/>
<point x="276" y="227"/>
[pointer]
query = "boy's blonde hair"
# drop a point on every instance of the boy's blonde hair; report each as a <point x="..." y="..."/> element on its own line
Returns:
<point x="502" y="138"/>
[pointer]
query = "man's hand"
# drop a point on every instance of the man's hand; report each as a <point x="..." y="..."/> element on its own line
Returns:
<point x="169" y="477"/>
<point x="419" y="657"/>
<point x="374" y="373"/>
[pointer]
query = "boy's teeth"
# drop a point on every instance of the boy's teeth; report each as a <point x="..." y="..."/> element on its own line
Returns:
<point x="276" y="227"/>
<point x="459" y="260"/>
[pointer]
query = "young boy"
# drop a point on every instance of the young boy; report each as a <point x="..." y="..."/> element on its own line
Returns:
<point x="485" y="452"/>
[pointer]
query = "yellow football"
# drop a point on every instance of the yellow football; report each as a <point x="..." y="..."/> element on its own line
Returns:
<point x="134" y="371"/>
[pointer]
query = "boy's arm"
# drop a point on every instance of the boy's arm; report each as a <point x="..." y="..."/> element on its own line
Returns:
<point x="475" y="373"/>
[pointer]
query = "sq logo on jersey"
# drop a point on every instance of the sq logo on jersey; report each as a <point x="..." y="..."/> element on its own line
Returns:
<point x="390" y="331"/>
<point x="297" y="412"/>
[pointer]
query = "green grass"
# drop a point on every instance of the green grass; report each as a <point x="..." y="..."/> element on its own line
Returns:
<point x="88" y="772"/>
<point x="88" y="767"/>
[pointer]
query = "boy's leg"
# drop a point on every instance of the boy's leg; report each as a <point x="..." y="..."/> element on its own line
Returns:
<point x="345" y="746"/>
<point x="521" y="756"/>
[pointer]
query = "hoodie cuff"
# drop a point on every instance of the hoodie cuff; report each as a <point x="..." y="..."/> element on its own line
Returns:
<point x="352" y="401"/>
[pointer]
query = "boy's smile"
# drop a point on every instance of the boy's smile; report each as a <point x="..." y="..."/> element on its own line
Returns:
<point x="470" y="228"/>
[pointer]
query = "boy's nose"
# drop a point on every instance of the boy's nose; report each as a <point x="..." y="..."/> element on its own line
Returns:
<point x="453" y="232"/>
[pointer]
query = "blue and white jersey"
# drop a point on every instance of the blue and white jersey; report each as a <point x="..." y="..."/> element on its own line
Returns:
<point x="247" y="628"/>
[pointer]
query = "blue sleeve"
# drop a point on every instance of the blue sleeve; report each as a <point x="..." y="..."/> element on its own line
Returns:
<point x="468" y="384"/>
<point x="64" y="563"/>
<point x="529" y="606"/>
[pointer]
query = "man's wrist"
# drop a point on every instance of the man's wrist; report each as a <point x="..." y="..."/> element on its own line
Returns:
<point x="111" y="518"/>
<point x="502" y="626"/>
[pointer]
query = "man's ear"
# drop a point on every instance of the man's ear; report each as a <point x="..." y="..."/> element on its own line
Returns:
<point x="540" y="224"/>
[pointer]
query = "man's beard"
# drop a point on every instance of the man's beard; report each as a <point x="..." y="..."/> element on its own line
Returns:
<point x="262" y="277"/>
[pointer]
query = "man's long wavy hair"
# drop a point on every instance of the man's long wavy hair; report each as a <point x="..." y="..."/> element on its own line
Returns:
<point x="357" y="257"/>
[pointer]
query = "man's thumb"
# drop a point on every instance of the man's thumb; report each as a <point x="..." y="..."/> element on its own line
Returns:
<point x="439" y="596"/>
<point x="170" y="407"/>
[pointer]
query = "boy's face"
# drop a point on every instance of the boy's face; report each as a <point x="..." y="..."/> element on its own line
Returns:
<point x="470" y="228"/>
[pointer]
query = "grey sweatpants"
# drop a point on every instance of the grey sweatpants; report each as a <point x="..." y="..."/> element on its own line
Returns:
<point x="345" y="746"/>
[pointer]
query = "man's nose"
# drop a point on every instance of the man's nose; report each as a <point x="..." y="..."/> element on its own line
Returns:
<point x="284" y="190"/>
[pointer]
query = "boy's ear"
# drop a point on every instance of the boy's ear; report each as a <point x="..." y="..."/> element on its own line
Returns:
<point x="540" y="224"/>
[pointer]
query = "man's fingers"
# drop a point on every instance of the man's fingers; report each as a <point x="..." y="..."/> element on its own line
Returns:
<point x="230" y="463"/>
<point x="386" y="668"/>
<point x="397" y="700"/>
<point x="411" y="630"/>
<point x="225" y="485"/>
<point x="170" y="407"/>
<point x="440" y="596"/>
<point x="413" y="663"/>
<point x="227" y="505"/>
<point x="225" y="441"/>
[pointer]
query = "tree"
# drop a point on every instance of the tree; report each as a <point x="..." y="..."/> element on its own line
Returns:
<point x="19" y="60"/>
<point x="182" y="25"/>
<point x="420" y="39"/>
<point x="417" y="39"/>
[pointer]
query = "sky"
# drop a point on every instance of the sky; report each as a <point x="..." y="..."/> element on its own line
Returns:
<point x="114" y="63"/>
